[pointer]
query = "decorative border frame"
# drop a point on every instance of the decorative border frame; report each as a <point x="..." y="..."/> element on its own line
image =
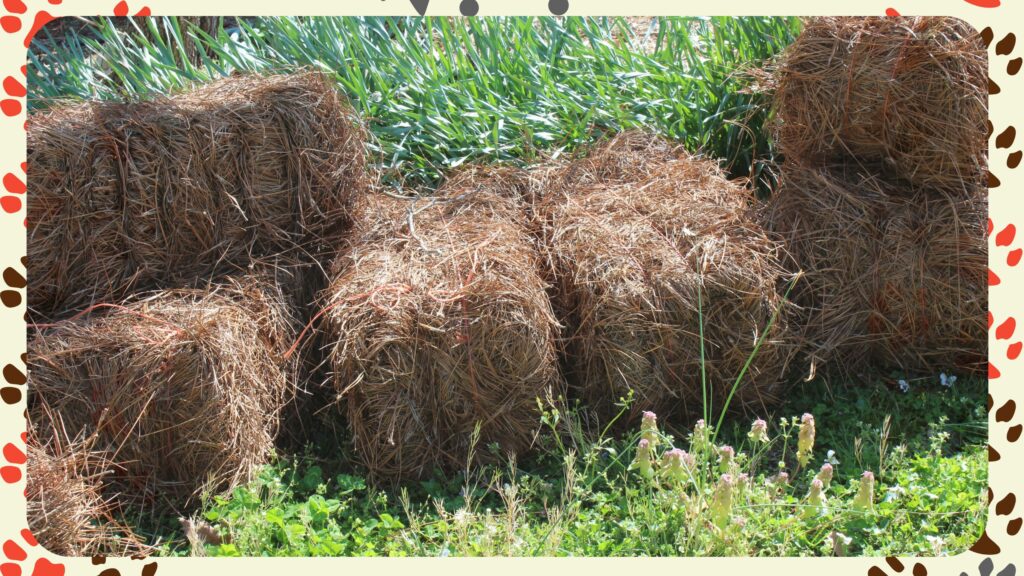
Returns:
<point x="998" y="550"/>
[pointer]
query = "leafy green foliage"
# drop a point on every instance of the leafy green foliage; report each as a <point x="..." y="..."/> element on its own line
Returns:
<point x="582" y="495"/>
<point x="439" y="92"/>
<point x="291" y="512"/>
<point x="866" y="421"/>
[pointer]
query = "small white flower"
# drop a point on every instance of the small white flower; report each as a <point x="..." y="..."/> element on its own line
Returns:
<point x="904" y="386"/>
<point x="894" y="493"/>
<point x="831" y="458"/>
<point x="937" y="543"/>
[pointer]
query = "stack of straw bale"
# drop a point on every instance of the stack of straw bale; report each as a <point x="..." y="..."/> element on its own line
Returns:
<point x="908" y="96"/>
<point x="439" y="323"/>
<point x="882" y="198"/>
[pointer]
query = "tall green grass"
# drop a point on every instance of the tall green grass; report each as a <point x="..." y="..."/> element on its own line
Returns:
<point x="439" y="92"/>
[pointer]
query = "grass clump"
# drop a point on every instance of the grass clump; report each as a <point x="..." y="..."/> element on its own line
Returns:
<point x="440" y="92"/>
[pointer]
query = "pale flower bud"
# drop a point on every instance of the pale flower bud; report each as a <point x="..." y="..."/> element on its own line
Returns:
<point x="825" y="475"/>
<point x="649" y="428"/>
<point x="726" y="455"/>
<point x="701" y="437"/>
<point x="758" y="431"/>
<point x="678" y="465"/>
<point x="805" y="441"/>
<point x="721" y="501"/>
<point x="689" y="461"/>
<point x="642" y="461"/>
<point x="865" y="499"/>
<point x="742" y="481"/>
<point x="815" y="498"/>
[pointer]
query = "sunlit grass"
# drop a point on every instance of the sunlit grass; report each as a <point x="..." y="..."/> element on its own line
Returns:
<point x="440" y="92"/>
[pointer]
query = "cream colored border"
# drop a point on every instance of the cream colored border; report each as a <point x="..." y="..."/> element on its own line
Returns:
<point x="1006" y="206"/>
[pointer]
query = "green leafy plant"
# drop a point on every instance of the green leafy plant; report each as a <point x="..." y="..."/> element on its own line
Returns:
<point x="582" y="494"/>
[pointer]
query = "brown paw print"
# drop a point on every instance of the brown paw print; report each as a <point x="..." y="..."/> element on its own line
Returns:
<point x="897" y="568"/>
<point x="1004" y="47"/>
<point x="148" y="569"/>
<point x="1005" y="507"/>
<point x="1004" y="141"/>
<point x="1004" y="415"/>
<point x="14" y="283"/>
<point x="1001" y="514"/>
<point x="14" y="379"/>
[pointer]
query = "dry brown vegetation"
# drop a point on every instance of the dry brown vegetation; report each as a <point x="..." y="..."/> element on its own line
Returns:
<point x="648" y="247"/>
<point x="438" y="321"/>
<point x="907" y="94"/>
<point x="159" y="193"/>
<point x="182" y="389"/>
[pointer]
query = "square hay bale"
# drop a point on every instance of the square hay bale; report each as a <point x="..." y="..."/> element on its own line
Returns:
<point x="908" y="94"/>
<point x="76" y="196"/>
<point x="67" y="511"/>
<point x="894" y="279"/>
<point x="625" y="158"/>
<point x="438" y="321"/>
<point x="159" y="193"/>
<point x="638" y="261"/>
<point x="182" y="388"/>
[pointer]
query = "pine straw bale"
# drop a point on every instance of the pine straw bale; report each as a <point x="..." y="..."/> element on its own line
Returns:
<point x="158" y="193"/>
<point x="76" y="192"/>
<point x="184" y="388"/>
<point x="626" y="157"/>
<point x="635" y="265"/>
<point x="908" y="93"/>
<point x="892" y="280"/>
<point x="439" y="321"/>
<point x="67" y="511"/>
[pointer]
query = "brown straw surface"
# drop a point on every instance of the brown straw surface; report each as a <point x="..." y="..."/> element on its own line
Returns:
<point x="439" y="322"/>
<point x="891" y="280"/>
<point x="160" y="193"/>
<point x="637" y="235"/>
<point x="182" y="388"/>
<point x="907" y="94"/>
<point x="67" y="512"/>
